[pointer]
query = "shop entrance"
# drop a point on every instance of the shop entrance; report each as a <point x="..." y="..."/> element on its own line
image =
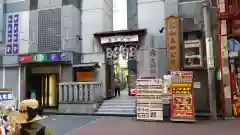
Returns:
<point x="44" y="88"/>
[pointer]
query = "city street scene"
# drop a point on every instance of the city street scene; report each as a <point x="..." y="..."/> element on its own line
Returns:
<point x="166" y="67"/>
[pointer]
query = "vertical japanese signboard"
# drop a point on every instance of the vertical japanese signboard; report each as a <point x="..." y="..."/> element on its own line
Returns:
<point x="153" y="67"/>
<point x="173" y="42"/>
<point x="12" y="45"/>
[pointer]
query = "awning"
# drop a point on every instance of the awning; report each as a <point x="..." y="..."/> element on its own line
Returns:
<point x="87" y="65"/>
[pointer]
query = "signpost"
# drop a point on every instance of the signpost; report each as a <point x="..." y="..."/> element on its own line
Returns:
<point x="182" y="98"/>
<point x="149" y="99"/>
<point x="182" y="102"/>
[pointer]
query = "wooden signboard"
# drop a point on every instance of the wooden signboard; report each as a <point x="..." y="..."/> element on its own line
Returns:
<point x="173" y="42"/>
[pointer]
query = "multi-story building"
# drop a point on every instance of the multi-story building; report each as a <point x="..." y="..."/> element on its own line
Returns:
<point x="41" y="39"/>
<point x="152" y="14"/>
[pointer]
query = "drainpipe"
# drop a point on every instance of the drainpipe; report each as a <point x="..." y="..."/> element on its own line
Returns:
<point x="1" y="20"/>
<point x="4" y="74"/>
<point x="210" y="59"/>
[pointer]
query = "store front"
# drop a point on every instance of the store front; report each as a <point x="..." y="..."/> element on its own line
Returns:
<point x="43" y="72"/>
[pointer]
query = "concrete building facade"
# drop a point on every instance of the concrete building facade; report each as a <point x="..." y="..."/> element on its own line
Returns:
<point x="151" y="14"/>
<point x="61" y="27"/>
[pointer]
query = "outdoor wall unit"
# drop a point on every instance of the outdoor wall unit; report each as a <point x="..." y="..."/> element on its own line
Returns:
<point x="193" y="54"/>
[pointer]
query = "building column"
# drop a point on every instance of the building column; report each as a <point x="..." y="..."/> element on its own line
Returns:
<point x="224" y="63"/>
<point x="210" y="59"/>
<point x="19" y="86"/>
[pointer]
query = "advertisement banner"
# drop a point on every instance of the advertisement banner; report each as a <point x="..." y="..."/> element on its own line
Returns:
<point x="25" y="59"/>
<point x="44" y="57"/>
<point x="182" y="103"/>
<point x="54" y="56"/>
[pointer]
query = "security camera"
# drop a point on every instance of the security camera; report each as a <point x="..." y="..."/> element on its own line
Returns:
<point x="161" y="30"/>
<point x="78" y="37"/>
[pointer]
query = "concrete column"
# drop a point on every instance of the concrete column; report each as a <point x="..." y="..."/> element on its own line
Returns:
<point x="97" y="16"/>
<point x="210" y="59"/>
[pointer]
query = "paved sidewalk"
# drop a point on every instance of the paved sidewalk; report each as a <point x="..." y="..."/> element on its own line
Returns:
<point x="129" y="126"/>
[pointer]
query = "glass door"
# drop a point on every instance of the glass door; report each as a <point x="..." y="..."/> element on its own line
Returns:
<point x="49" y="91"/>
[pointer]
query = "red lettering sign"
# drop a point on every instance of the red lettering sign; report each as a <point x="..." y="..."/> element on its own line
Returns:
<point x="25" y="59"/>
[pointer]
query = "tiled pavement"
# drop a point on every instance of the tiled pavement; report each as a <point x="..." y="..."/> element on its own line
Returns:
<point x="129" y="126"/>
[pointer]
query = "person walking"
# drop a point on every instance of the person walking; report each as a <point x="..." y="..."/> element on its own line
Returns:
<point x="28" y="117"/>
<point x="117" y="87"/>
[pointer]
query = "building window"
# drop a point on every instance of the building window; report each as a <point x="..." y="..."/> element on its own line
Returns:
<point x="33" y="4"/>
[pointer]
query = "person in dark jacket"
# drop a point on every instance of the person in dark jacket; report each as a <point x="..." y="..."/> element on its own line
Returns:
<point x="117" y="87"/>
<point x="28" y="117"/>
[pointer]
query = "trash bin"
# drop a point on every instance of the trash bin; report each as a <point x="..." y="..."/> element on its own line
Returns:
<point x="167" y="110"/>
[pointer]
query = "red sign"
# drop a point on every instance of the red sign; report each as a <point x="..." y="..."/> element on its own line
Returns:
<point x="182" y="101"/>
<point x="25" y="58"/>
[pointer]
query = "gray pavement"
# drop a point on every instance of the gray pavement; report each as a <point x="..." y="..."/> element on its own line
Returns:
<point x="91" y="125"/>
<point x="62" y="125"/>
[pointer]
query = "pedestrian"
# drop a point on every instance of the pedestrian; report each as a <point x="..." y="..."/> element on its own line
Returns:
<point x="28" y="117"/>
<point x="117" y="86"/>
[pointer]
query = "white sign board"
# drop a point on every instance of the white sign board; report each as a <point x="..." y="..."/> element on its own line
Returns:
<point x="149" y="99"/>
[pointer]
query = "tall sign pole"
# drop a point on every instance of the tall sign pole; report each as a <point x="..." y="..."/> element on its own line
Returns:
<point x="210" y="59"/>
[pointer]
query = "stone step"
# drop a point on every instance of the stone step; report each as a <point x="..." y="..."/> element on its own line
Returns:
<point x="116" y="109"/>
<point x="117" y="113"/>
<point x="117" y="106"/>
<point x="119" y="101"/>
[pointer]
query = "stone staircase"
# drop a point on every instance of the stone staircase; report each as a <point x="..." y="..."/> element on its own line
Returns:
<point x="124" y="105"/>
<point x="117" y="107"/>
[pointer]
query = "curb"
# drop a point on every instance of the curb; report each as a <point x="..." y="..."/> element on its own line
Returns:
<point x="198" y="117"/>
<point x="90" y="114"/>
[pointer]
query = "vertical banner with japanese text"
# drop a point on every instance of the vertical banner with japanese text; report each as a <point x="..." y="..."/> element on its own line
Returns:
<point x="173" y="42"/>
<point x="153" y="63"/>
<point x="182" y="103"/>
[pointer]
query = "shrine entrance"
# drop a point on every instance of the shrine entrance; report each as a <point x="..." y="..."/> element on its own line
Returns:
<point x="120" y="48"/>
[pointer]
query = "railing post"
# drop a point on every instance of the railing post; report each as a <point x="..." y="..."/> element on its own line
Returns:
<point x="85" y="91"/>
<point x="70" y="91"/>
<point x="91" y="92"/>
<point x="80" y="92"/>
<point x="76" y="92"/>
<point x="65" y="92"/>
<point x="60" y="98"/>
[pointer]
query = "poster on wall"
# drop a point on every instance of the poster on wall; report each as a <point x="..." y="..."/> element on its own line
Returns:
<point x="173" y="42"/>
<point x="182" y="103"/>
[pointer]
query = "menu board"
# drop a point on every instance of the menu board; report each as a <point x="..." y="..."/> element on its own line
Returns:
<point x="149" y="99"/>
<point x="182" y="102"/>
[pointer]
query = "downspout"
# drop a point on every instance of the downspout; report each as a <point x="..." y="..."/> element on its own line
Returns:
<point x="1" y="21"/>
<point x="81" y="32"/>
